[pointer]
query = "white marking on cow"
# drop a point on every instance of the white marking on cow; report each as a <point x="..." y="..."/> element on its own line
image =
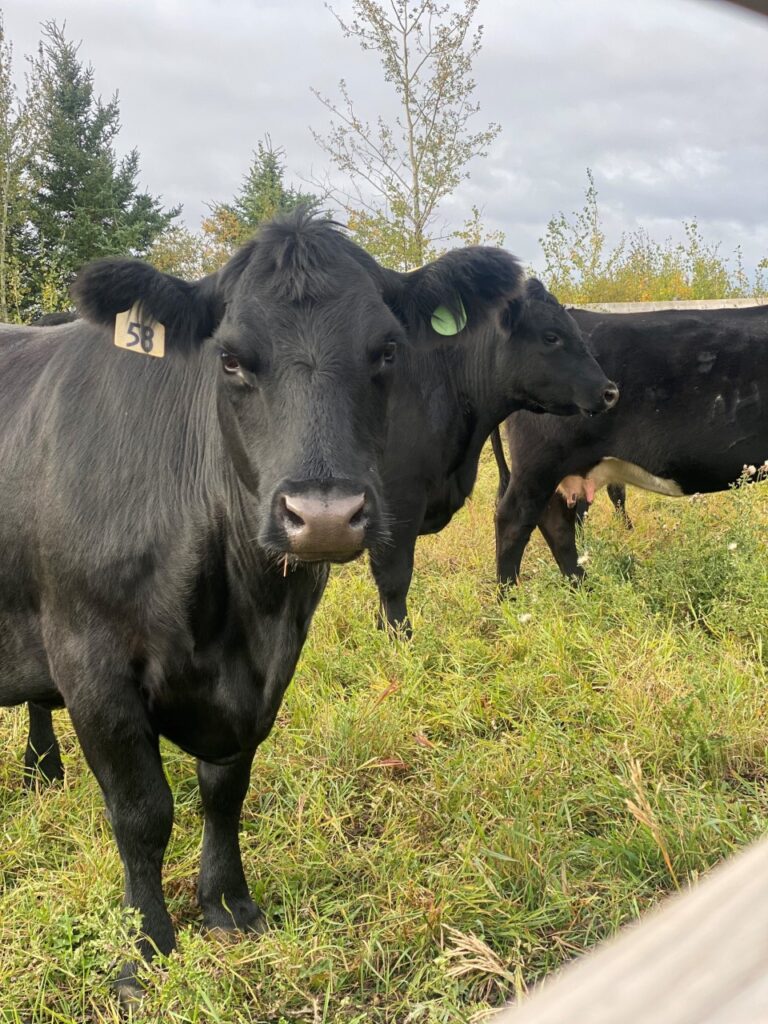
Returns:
<point x="735" y="402"/>
<point x="706" y="361"/>
<point x="614" y="471"/>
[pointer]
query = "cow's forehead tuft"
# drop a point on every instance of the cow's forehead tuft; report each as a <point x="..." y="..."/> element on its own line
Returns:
<point x="301" y="258"/>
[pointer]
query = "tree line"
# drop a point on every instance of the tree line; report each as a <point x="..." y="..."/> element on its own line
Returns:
<point x="66" y="198"/>
<point x="580" y="266"/>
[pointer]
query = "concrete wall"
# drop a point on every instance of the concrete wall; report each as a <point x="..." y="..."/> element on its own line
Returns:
<point x="651" y="307"/>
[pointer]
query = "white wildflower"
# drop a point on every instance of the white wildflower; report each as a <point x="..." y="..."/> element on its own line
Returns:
<point x="583" y="559"/>
<point x="525" y="617"/>
<point x="732" y="546"/>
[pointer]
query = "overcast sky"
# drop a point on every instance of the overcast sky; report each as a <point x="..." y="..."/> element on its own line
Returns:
<point x="666" y="100"/>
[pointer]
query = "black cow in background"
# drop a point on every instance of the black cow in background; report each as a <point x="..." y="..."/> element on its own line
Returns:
<point x="446" y="402"/>
<point x="167" y="523"/>
<point x="693" y="413"/>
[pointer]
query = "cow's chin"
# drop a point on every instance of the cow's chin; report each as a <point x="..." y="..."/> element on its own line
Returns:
<point x="590" y="412"/>
<point x="313" y="558"/>
<point x="552" y="409"/>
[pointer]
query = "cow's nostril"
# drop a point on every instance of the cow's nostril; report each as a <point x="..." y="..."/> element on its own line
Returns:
<point x="611" y="396"/>
<point x="357" y="513"/>
<point x="291" y="513"/>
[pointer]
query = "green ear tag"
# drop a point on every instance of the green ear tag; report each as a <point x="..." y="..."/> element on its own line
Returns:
<point x="445" y="323"/>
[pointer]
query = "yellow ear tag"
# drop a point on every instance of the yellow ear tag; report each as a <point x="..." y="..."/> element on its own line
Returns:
<point x="445" y="323"/>
<point x="137" y="333"/>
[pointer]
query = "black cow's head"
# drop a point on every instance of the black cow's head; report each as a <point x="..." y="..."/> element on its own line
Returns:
<point x="298" y="334"/>
<point x="546" y="364"/>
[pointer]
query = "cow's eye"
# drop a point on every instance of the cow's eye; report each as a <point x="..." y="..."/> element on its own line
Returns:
<point x="388" y="352"/>
<point x="383" y="355"/>
<point x="551" y="338"/>
<point x="230" y="363"/>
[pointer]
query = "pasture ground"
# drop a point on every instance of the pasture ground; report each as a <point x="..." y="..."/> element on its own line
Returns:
<point x="432" y="827"/>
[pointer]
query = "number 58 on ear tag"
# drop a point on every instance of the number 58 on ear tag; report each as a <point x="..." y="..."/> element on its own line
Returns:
<point x="136" y="333"/>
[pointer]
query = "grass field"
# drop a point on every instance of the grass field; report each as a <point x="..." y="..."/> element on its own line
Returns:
<point x="432" y="827"/>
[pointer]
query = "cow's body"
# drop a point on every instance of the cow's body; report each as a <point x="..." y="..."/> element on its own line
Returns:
<point x="444" y="405"/>
<point x="167" y="524"/>
<point x="693" y="412"/>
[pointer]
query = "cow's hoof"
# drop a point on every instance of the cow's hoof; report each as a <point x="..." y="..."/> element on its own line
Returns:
<point x="578" y="578"/>
<point x="240" y="915"/>
<point x="400" y="631"/>
<point x="43" y="771"/>
<point x="128" y="988"/>
<point x="129" y="995"/>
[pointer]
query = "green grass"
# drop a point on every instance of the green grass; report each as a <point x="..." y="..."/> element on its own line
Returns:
<point x="432" y="827"/>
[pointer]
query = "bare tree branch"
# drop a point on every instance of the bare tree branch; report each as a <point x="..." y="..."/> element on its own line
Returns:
<point x="397" y="174"/>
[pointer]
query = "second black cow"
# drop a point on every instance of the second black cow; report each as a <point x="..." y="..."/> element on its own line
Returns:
<point x="446" y="402"/>
<point x="693" y="413"/>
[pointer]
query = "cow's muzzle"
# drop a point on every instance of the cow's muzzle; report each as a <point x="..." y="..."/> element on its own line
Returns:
<point x="322" y="526"/>
<point x="609" y="396"/>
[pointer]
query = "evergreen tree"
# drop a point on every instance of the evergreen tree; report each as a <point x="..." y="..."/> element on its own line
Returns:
<point x="262" y="196"/>
<point x="85" y="202"/>
<point x="13" y="155"/>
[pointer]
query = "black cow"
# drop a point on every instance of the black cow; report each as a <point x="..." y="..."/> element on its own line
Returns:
<point x="167" y="523"/>
<point x="446" y="402"/>
<point x="443" y="406"/>
<point x="693" y="413"/>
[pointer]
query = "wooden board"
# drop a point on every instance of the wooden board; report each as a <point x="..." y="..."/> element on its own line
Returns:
<point x="699" y="958"/>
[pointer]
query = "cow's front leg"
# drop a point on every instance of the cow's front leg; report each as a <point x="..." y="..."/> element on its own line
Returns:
<point x="122" y="750"/>
<point x="222" y="891"/>
<point x="42" y="758"/>
<point x="393" y="570"/>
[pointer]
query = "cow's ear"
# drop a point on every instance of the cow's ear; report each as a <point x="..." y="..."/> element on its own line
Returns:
<point x="465" y="287"/>
<point x="189" y="310"/>
<point x="511" y="315"/>
<point x="534" y="289"/>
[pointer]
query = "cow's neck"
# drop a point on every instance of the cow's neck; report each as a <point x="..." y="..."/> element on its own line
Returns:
<point x="461" y="374"/>
<point x="480" y="389"/>
<point x="492" y="402"/>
